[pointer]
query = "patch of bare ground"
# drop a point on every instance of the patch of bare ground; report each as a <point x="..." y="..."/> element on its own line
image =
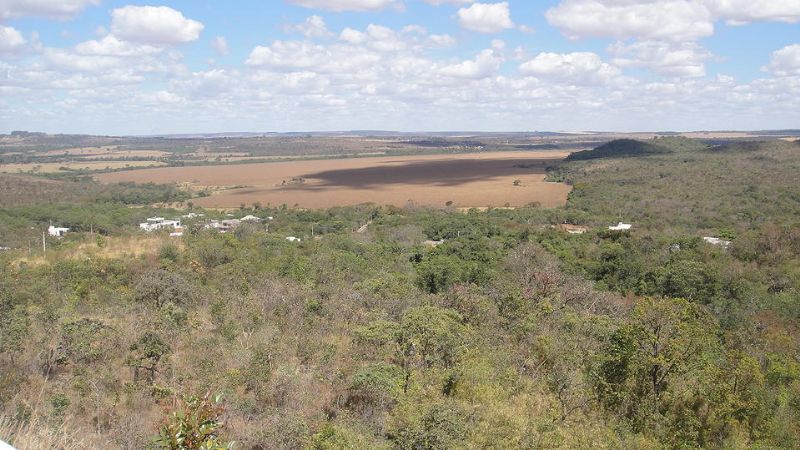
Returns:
<point x="462" y="180"/>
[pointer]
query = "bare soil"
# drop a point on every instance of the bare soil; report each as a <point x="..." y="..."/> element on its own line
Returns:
<point x="466" y="180"/>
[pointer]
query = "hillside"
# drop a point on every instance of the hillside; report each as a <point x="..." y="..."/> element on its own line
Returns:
<point x="426" y="328"/>
<point x="620" y="148"/>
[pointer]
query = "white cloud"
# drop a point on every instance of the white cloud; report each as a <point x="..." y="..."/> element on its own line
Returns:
<point x="312" y="27"/>
<point x="675" y="20"/>
<point x="583" y="68"/>
<point x="11" y="41"/>
<point x="486" y="17"/>
<point x="665" y="58"/>
<point x="157" y="25"/>
<point x="485" y="64"/>
<point x="346" y="5"/>
<point x="786" y="61"/>
<point x="745" y="11"/>
<point x="53" y="9"/>
<point x="220" y="46"/>
<point x="352" y="36"/>
<point x="301" y="55"/>
<point x="111" y="46"/>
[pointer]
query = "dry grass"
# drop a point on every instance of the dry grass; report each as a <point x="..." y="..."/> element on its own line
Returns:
<point x="36" y="434"/>
<point x="114" y="248"/>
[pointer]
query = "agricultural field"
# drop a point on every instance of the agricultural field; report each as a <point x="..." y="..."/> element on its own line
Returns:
<point x="463" y="180"/>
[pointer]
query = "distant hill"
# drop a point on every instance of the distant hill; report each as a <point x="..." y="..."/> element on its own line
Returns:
<point x="620" y="148"/>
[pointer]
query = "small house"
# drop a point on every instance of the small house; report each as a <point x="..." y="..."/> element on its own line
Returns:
<point x="159" y="223"/>
<point x="716" y="241"/>
<point x="57" y="231"/>
<point x="293" y="239"/>
<point x="620" y="227"/>
<point x="250" y="218"/>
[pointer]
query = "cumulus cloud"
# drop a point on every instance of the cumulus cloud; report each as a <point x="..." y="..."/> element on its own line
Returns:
<point x="220" y="46"/>
<point x="738" y="12"/>
<point x="571" y="68"/>
<point x="347" y="5"/>
<point x="676" y="20"/>
<point x="156" y="25"/>
<point x="312" y="27"/>
<point x="11" y="41"/>
<point x="110" y="45"/>
<point x="485" y="64"/>
<point x="786" y="61"/>
<point x="302" y="55"/>
<point x="665" y="58"/>
<point x="486" y="17"/>
<point x="52" y="9"/>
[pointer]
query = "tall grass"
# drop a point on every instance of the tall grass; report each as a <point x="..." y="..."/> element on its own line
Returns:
<point x="36" y="434"/>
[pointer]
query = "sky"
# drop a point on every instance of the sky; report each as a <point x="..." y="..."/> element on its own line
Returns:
<point x="201" y="66"/>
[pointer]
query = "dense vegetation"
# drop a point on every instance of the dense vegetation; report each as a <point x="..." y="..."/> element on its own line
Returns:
<point x="620" y="148"/>
<point x="507" y="334"/>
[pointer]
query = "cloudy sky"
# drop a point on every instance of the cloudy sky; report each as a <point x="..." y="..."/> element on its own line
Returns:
<point x="126" y="67"/>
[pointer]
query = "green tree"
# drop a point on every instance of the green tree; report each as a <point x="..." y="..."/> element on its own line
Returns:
<point x="146" y="354"/>
<point x="666" y="341"/>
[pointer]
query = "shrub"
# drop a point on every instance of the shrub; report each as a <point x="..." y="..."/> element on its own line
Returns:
<point x="194" y="424"/>
<point x="157" y="287"/>
<point x="86" y="340"/>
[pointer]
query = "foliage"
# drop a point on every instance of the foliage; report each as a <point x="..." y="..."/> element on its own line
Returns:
<point x="619" y="148"/>
<point x="194" y="423"/>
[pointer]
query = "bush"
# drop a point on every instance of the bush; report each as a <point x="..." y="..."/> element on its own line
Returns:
<point x="86" y="340"/>
<point x="158" y="287"/>
<point x="194" y="424"/>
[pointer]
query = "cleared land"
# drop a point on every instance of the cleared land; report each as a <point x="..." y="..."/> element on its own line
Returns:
<point x="477" y="179"/>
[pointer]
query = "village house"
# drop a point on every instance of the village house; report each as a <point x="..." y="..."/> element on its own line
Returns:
<point x="293" y="239"/>
<point x="620" y="227"/>
<point x="57" y="231"/>
<point x="716" y="241"/>
<point x="160" y="223"/>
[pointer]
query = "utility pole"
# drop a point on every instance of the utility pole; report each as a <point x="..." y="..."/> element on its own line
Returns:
<point x="44" y="244"/>
<point x="312" y="229"/>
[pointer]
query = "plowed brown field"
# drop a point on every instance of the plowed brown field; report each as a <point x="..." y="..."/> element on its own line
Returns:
<point x="474" y="179"/>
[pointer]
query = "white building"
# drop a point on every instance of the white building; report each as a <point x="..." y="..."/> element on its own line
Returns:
<point x="159" y="223"/>
<point x="293" y="239"/>
<point x="716" y="241"/>
<point x="223" y="226"/>
<point x="250" y="218"/>
<point x="57" y="231"/>
<point x="620" y="227"/>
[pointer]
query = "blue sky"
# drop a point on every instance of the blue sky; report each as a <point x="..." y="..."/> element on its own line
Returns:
<point x="127" y="67"/>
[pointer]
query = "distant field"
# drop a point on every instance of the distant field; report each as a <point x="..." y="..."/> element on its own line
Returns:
<point x="78" y="165"/>
<point x="467" y="180"/>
